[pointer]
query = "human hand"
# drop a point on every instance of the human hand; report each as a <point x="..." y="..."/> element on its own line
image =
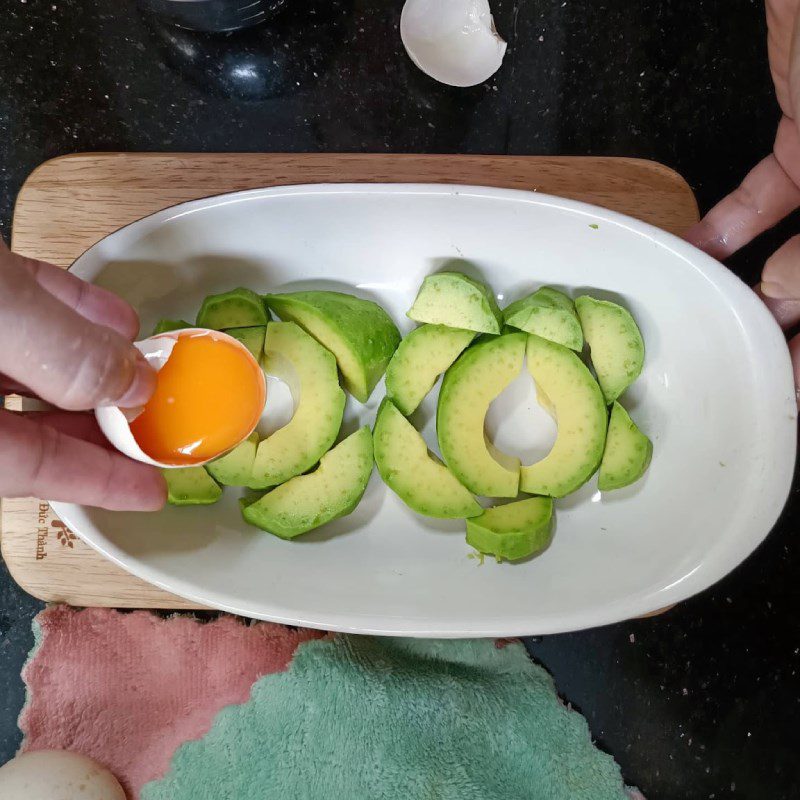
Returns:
<point x="69" y="343"/>
<point x="772" y="189"/>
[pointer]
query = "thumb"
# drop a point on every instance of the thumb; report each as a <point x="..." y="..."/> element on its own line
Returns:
<point x="780" y="283"/>
<point x="794" y="350"/>
<point x="60" y="355"/>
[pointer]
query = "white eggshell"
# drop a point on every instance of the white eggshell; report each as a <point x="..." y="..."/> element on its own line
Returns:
<point x="453" y="41"/>
<point x="57" y="775"/>
<point x="115" y="422"/>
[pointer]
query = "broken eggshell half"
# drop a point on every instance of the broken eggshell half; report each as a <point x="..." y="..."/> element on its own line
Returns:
<point x="115" y="422"/>
<point x="453" y="41"/>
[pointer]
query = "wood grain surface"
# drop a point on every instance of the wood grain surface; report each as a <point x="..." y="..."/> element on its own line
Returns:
<point x="70" y="203"/>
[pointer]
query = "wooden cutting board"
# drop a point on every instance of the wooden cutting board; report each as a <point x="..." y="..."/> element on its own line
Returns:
<point x="70" y="203"/>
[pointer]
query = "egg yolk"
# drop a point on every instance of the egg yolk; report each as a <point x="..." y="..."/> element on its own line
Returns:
<point x="209" y="396"/>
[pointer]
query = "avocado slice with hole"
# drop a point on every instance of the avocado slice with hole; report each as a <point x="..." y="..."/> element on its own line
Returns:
<point x="167" y="325"/>
<point x="513" y="531"/>
<point x="191" y="486"/>
<point x="547" y="313"/>
<point x="252" y="338"/>
<point x="236" y="467"/>
<point x="422" y="356"/>
<point x="453" y="299"/>
<point x="416" y="476"/>
<point x="627" y="454"/>
<point x="567" y="390"/>
<point x="238" y="308"/>
<point x="615" y="342"/>
<point x="333" y="490"/>
<point x="359" y="333"/>
<point x="479" y="375"/>
<point x="310" y="370"/>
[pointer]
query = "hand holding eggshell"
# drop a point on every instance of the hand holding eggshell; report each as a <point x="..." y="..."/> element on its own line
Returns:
<point x="69" y="343"/>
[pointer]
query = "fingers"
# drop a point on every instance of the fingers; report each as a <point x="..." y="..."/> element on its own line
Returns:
<point x="780" y="283"/>
<point x="39" y="460"/>
<point x="91" y="302"/>
<point x="764" y="198"/>
<point x="60" y="355"/>
<point x="780" y="290"/>
<point x="794" y="350"/>
<point x="786" y="312"/>
<point x="780" y="35"/>
<point x="8" y="386"/>
<point x="76" y="424"/>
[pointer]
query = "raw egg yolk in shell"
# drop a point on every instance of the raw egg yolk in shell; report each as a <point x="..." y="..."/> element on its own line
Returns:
<point x="209" y="396"/>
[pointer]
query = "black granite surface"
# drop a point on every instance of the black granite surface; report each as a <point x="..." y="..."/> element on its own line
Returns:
<point x="703" y="702"/>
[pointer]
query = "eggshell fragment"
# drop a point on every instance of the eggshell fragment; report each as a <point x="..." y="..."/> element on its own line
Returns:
<point x="453" y="41"/>
<point x="57" y="775"/>
<point x="115" y="422"/>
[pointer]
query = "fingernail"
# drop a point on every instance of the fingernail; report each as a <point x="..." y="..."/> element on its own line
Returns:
<point x="776" y="291"/>
<point x="141" y="388"/>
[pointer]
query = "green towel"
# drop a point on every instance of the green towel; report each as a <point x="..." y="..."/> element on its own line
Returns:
<point x="362" y="718"/>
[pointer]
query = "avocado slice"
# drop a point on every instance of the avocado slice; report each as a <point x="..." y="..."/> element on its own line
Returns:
<point x="359" y="333"/>
<point x="627" y="454"/>
<point x="236" y="467"/>
<point x="238" y="308"/>
<point x="616" y="344"/>
<point x="513" y="531"/>
<point x="191" y="486"/>
<point x="547" y="313"/>
<point x="167" y="325"/>
<point x="566" y="388"/>
<point x="333" y="490"/>
<point x="469" y="386"/>
<point x="310" y="370"/>
<point x="419" y="360"/>
<point x="252" y="338"/>
<point x="453" y="299"/>
<point x="418" y="478"/>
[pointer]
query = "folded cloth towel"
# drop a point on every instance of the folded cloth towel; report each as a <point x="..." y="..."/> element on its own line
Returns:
<point x="349" y="717"/>
<point x="127" y="689"/>
<point x="391" y="719"/>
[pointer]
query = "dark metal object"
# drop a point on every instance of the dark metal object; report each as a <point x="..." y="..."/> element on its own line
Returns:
<point x="258" y="62"/>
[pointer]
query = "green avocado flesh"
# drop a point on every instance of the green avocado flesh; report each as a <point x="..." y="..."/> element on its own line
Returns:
<point x="453" y="299"/>
<point x="478" y="376"/>
<point x="547" y="313"/>
<point x="617" y="348"/>
<point x="419" y="360"/>
<point x="310" y="370"/>
<point x="239" y="308"/>
<point x="235" y="468"/>
<point x="333" y="490"/>
<point x="571" y="393"/>
<point x="513" y="531"/>
<point x="252" y="338"/>
<point x="191" y="486"/>
<point x="418" y="478"/>
<point x="627" y="454"/>
<point x="359" y="333"/>
<point x="326" y="337"/>
<point x="167" y="325"/>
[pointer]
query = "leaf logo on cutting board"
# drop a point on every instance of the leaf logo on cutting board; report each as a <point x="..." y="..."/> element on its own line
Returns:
<point x="63" y="534"/>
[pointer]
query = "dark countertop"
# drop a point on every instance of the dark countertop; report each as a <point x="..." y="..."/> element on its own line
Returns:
<point x="699" y="703"/>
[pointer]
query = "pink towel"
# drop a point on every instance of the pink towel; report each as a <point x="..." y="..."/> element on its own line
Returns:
<point x="128" y="688"/>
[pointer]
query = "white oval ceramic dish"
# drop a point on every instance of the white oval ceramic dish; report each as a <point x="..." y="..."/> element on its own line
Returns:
<point x="716" y="396"/>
